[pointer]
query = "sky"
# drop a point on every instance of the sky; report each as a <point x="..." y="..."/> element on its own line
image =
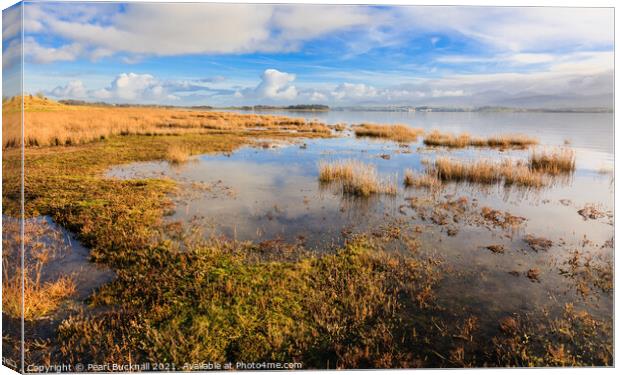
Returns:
<point x="246" y="54"/>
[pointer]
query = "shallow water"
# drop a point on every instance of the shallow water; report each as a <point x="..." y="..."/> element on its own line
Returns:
<point x="264" y="194"/>
<point x="590" y="134"/>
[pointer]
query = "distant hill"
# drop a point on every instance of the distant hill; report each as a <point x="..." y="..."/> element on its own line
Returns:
<point x="31" y="103"/>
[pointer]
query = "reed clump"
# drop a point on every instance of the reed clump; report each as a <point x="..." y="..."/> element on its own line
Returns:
<point x="519" y="174"/>
<point x="481" y="171"/>
<point x="419" y="180"/>
<point x="553" y="162"/>
<point x="177" y="154"/>
<point x="437" y="138"/>
<point x="356" y="178"/>
<point x="486" y="172"/>
<point x="397" y="132"/>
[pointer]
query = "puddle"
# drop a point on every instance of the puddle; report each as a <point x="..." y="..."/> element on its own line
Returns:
<point x="52" y="253"/>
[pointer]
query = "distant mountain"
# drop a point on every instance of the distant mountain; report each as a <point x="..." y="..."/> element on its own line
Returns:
<point x="497" y="98"/>
<point x="559" y="101"/>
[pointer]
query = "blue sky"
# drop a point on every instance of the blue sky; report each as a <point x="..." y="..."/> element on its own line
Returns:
<point x="236" y="54"/>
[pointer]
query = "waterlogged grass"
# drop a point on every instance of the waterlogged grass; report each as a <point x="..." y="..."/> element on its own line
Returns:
<point x="41" y="245"/>
<point x="356" y="178"/>
<point x="397" y="132"/>
<point x="351" y="309"/>
<point x="508" y="172"/>
<point x="419" y="180"/>
<point x="177" y="154"/>
<point x="519" y="141"/>
<point x="554" y="162"/>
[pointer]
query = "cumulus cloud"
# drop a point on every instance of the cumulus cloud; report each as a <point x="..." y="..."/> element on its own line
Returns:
<point x="72" y="90"/>
<point x="135" y="87"/>
<point x="274" y="85"/>
<point x="125" y="88"/>
<point x="143" y="88"/>
<point x="354" y="91"/>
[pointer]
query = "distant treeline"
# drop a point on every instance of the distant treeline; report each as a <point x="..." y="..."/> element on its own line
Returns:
<point x="122" y="105"/>
<point x="298" y="107"/>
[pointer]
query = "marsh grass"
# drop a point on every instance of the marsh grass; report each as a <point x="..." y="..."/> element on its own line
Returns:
<point x="362" y="306"/>
<point x="49" y="123"/>
<point x="518" y="174"/>
<point x="397" y="132"/>
<point x="356" y="178"/>
<point x="482" y="171"/>
<point x="437" y="138"/>
<point x="553" y="162"/>
<point x="508" y="172"/>
<point x="418" y="180"/>
<point x="279" y="310"/>
<point x="41" y="246"/>
<point x="177" y="154"/>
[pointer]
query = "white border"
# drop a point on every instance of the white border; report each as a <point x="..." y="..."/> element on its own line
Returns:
<point x="564" y="3"/>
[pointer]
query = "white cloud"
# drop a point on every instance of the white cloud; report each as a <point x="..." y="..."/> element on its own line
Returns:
<point x="503" y="58"/>
<point x="134" y="87"/>
<point x="274" y="85"/>
<point x="154" y="28"/>
<point x="445" y="93"/>
<point x="72" y="90"/>
<point x="310" y="21"/>
<point x="316" y="96"/>
<point x="346" y="91"/>
<point x="11" y="22"/>
<point x="34" y="52"/>
<point x="526" y="29"/>
<point x="12" y="54"/>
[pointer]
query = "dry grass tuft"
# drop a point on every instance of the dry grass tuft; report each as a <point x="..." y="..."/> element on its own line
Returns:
<point x="356" y="178"/>
<point x="554" y="162"/>
<point x="511" y="141"/>
<point x="39" y="299"/>
<point x="418" y="180"/>
<point x="177" y="154"/>
<point x="481" y="171"/>
<point x="42" y="244"/>
<point x="399" y="133"/>
<point x="487" y="172"/>
<point x="437" y="138"/>
<point x="518" y="174"/>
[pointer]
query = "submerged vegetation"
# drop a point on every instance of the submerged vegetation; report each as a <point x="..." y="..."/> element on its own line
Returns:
<point x="41" y="297"/>
<point x="418" y="180"/>
<point x="399" y="133"/>
<point x="437" y="138"/>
